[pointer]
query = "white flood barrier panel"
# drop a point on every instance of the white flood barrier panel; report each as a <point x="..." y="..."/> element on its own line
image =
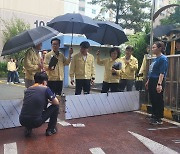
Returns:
<point x="9" y="113"/>
<point x="100" y="104"/>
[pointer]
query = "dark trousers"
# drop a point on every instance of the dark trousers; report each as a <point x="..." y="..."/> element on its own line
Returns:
<point x="56" y="86"/>
<point x="156" y="99"/>
<point x="114" y="87"/>
<point x="35" y="122"/>
<point x="11" y="75"/>
<point x="82" y="84"/>
<point x="16" y="77"/>
<point x="128" y="84"/>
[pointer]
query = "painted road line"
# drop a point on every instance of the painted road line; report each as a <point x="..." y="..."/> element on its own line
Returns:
<point x="172" y="122"/>
<point x="153" y="146"/>
<point x="165" y="120"/>
<point x="78" y="125"/>
<point x="176" y="141"/>
<point x="162" y="128"/>
<point x="64" y="123"/>
<point x="23" y="86"/>
<point x="10" y="148"/>
<point x="97" y="151"/>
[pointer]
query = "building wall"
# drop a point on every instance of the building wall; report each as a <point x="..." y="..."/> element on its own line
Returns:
<point x="34" y="12"/>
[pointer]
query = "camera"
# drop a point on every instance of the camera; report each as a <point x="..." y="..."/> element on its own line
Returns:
<point x="117" y="66"/>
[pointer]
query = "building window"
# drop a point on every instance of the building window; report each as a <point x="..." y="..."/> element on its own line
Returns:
<point x="81" y="9"/>
<point x="93" y="11"/>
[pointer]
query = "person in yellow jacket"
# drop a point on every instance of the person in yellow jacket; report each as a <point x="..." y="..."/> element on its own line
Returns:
<point x="32" y="64"/>
<point x="11" y="67"/>
<point x="56" y="73"/>
<point x="113" y="70"/>
<point x="82" y="67"/>
<point x="131" y="66"/>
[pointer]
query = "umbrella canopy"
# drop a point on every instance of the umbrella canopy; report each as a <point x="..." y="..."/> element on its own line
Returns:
<point x="175" y="31"/>
<point x="73" y="23"/>
<point x="108" y="33"/>
<point x="163" y="30"/>
<point x="28" y="39"/>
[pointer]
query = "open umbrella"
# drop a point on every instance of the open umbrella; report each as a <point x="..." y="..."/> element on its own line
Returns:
<point x="108" y="33"/>
<point x="73" y="23"/>
<point x="28" y="39"/>
<point x="162" y="30"/>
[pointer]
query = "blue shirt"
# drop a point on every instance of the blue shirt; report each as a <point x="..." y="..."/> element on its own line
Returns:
<point x="36" y="100"/>
<point x="158" y="66"/>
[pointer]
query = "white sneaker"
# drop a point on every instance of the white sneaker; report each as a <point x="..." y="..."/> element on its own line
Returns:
<point x="7" y="83"/>
<point x="12" y="82"/>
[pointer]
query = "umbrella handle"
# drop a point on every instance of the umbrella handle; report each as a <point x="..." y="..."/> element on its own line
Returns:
<point x="72" y="33"/>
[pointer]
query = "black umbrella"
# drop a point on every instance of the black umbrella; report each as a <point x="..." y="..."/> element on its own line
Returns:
<point x="108" y="33"/>
<point x="160" y="31"/>
<point x="28" y="39"/>
<point x="73" y="23"/>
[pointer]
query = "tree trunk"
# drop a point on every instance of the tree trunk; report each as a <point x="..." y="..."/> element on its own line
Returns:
<point x="117" y="12"/>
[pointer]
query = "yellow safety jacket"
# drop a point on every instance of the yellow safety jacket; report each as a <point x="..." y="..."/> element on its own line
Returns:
<point x="31" y="63"/>
<point x="130" y="69"/>
<point x="82" y="69"/>
<point x="108" y="63"/>
<point x="58" y="73"/>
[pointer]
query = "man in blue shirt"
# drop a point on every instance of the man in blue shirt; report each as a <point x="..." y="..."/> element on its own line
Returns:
<point x="156" y="81"/>
<point x="34" y="111"/>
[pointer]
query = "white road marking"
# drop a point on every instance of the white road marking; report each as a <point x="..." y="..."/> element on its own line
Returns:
<point x="97" y="151"/>
<point x="155" y="147"/>
<point x="162" y="128"/>
<point x="64" y="123"/>
<point x="176" y="141"/>
<point x="10" y="148"/>
<point x="165" y="120"/>
<point x="78" y="125"/>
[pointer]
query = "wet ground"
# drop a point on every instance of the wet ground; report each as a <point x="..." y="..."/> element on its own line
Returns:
<point x="16" y="91"/>
<point x="111" y="133"/>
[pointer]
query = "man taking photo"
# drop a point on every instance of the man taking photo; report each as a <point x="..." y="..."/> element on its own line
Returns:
<point x="34" y="111"/>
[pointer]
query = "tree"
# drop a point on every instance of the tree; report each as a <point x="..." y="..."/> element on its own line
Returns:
<point x="173" y="18"/>
<point x="129" y="13"/>
<point x="13" y="27"/>
<point x="140" y="42"/>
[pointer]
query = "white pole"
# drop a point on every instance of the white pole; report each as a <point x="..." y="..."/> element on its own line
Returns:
<point x="151" y="33"/>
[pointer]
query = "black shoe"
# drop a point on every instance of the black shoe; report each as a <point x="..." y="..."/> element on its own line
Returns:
<point x="159" y="122"/>
<point x="50" y="132"/>
<point x="153" y="121"/>
<point x="28" y="132"/>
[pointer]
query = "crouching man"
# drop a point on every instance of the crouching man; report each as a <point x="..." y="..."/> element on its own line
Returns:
<point x="34" y="111"/>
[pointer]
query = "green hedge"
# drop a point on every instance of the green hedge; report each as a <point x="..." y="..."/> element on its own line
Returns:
<point x="3" y="69"/>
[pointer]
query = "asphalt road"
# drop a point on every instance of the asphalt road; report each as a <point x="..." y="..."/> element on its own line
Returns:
<point x="16" y="91"/>
<point x="121" y="133"/>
